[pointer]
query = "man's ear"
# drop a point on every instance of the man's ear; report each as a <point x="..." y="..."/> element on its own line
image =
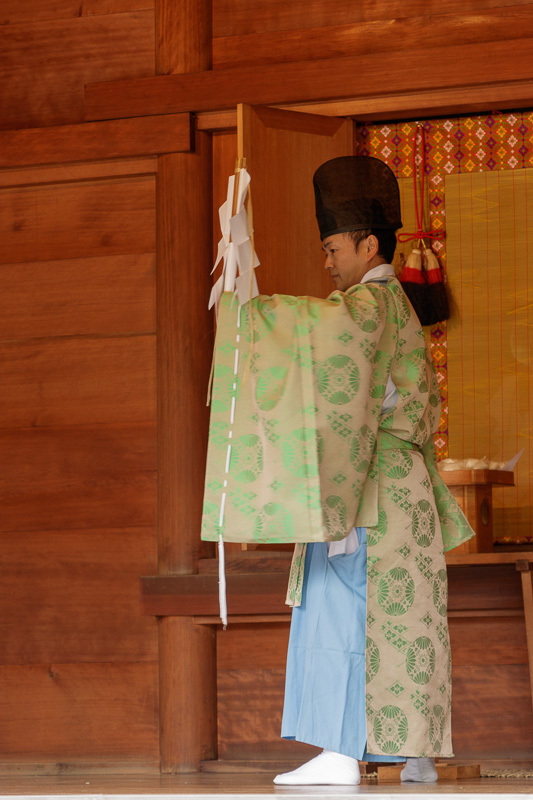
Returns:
<point x="372" y="245"/>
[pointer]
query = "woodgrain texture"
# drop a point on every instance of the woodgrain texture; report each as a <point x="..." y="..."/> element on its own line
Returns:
<point x="45" y="64"/>
<point x="253" y="646"/>
<point x="38" y="10"/>
<point x="282" y="150"/>
<point x="100" y="218"/>
<point x="483" y="698"/>
<point x="84" y="598"/>
<point x="188" y="702"/>
<point x="405" y="34"/>
<point x="488" y="641"/>
<point x="250" y="704"/>
<point x="79" y="711"/>
<point x="69" y="173"/>
<point x="465" y="99"/>
<point x="183" y="595"/>
<point x="360" y="76"/>
<point x="77" y="381"/>
<point x="183" y="36"/>
<point x="94" y="140"/>
<point x="70" y="297"/>
<point x="76" y="477"/>
<point x="184" y="349"/>
<point x="241" y="17"/>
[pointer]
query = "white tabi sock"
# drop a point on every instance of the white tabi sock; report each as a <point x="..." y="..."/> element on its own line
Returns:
<point x="420" y="770"/>
<point x="326" y="769"/>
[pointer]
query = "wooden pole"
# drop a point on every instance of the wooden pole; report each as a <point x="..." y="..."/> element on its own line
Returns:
<point x="187" y="654"/>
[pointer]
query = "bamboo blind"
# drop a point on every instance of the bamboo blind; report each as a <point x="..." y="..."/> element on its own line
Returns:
<point x="490" y="337"/>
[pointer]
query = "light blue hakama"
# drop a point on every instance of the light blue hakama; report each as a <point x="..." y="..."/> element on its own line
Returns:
<point x="325" y="679"/>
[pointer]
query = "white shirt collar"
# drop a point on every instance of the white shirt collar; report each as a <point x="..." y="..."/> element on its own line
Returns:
<point x="381" y="271"/>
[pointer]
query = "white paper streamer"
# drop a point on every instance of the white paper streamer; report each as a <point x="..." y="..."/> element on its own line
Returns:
<point x="235" y="247"/>
<point x="235" y="251"/>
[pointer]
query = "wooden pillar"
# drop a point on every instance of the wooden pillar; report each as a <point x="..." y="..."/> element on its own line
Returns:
<point x="187" y="669"/>
<point x="187" y="694"/>
<point x="187" y="655"/>
<point x="183" y="37"/>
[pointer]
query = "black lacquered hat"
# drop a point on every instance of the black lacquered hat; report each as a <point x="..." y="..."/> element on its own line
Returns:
<point x="356" y="192"/>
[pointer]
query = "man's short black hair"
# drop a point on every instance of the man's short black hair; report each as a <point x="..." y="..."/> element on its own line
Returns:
<point x="386" y="241"/>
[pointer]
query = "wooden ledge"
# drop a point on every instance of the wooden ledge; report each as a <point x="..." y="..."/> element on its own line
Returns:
<point x="260" y="590"/>
<point x="484" y="559"/>
<point x="197" y="595"/>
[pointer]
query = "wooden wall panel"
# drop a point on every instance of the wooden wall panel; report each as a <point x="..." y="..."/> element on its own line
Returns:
<point x="403" y="34"/>
<point x="38" y="10"/>
<point x="78" y="606"/>
<point x="68" y="173"/>
<point x="78" y="466"/>
<point x="67" y="296"/>
<point x="241" y="17"/>
<point x="250" y="704"/>
<point x="488" y="641"/>
<point x="492" y="716"/>
<point x="45" y="64"/>
<point x="253" y="646"/>
<point x="77" y="381"/>
<point x="78" y="477"/>
<point x="90" y="141"/>
<point x="97" y="218"/>
<point x="79" y="712"/>
<point x="225" y="151"/>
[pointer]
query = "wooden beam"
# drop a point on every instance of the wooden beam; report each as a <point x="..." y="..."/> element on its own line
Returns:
<point x="296" y="82"/>
<point x="89" y="141"/>
<point x="259" y="588"/>
<point x="183" y="595"/>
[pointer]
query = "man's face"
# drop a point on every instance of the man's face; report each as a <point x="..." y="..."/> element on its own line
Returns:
<point x="347" y="265"/>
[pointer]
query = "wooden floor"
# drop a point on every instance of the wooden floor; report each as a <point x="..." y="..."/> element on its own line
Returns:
<point x="242" y="786"/>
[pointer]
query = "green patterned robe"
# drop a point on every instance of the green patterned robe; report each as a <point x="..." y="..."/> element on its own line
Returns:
<point x="299" y="452"/>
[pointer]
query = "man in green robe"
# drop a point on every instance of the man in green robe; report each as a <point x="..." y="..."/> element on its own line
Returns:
<point x="330" y="442"/>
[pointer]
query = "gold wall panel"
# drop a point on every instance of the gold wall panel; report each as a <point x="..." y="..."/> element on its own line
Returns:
<point x="490" y="337"/>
